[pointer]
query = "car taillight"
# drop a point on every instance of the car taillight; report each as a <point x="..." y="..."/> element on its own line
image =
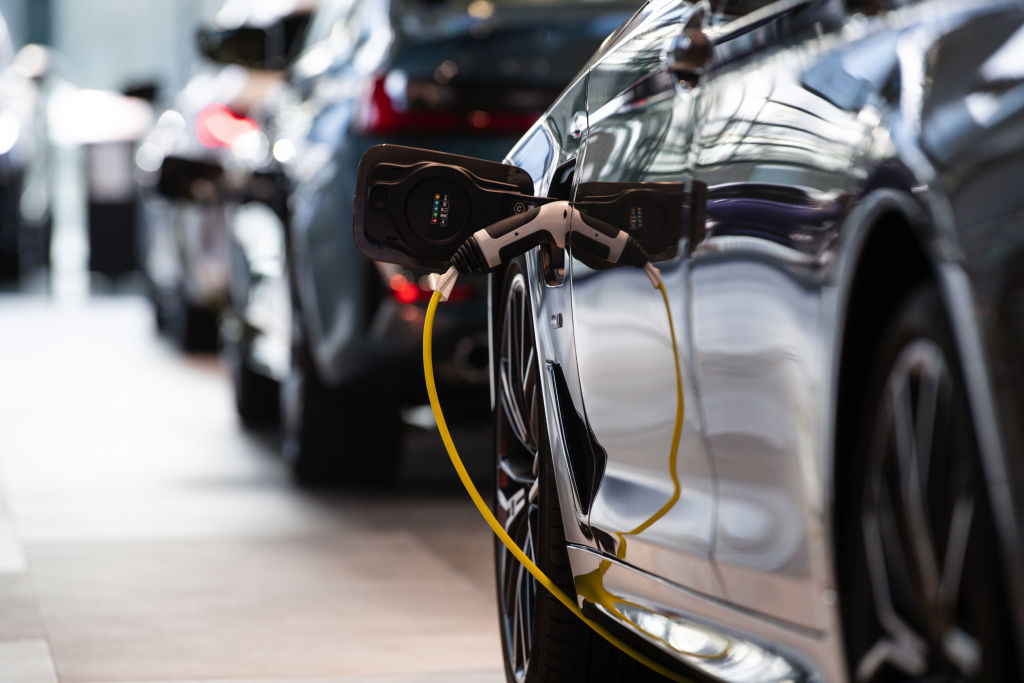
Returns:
<point x="387" y="109"/>
<point x="218" y="126"/>
<point x="406" y="291"/>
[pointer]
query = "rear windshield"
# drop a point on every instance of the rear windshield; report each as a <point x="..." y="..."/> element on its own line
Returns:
<point x="337" y="17"/>
<point x="333" y="10"/>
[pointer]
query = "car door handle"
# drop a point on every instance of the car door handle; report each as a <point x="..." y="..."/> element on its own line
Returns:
<point x="578" y="125"/>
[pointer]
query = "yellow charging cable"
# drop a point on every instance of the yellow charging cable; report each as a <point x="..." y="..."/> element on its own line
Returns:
<point x="677" y="430"/>
<point x="485" y="511"/>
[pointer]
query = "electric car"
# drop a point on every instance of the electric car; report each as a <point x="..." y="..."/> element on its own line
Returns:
<point x="215" y="122"/>
<point x="454" y="75"/>
<point x="846" y="498"/>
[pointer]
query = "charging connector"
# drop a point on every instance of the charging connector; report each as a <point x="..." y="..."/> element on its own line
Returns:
<point x="444" y="283"/>
<point x="558" y="224"/>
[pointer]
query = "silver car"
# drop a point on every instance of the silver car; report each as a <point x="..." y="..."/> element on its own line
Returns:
<point x="843" y="268"/>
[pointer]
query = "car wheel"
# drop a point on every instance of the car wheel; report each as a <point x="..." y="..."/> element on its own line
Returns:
<point x="192" y="327"/>
<point x="161" y="316"/>
<point x="10" y="265"/>
<point x="347" y="434"/>
<point x="922" y="591"/>
<point x="257" y="397"/>
<point x="541" y="640"/>
<point x="11" y="231"/>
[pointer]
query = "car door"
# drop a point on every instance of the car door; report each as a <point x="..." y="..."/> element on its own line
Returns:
<point x="654" y="507"/>
<point x="781" y="164"/>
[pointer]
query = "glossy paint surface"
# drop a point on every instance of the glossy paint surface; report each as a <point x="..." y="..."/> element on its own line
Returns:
<point x="819" y="130"/>
<point x="640" y="131"/>
<point x="781" y="163"/>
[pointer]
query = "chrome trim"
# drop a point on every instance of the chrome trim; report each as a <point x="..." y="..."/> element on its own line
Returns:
<point x="607" y="585"/>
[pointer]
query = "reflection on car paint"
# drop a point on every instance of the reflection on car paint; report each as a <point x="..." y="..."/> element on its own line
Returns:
<point x="816" y="128"/>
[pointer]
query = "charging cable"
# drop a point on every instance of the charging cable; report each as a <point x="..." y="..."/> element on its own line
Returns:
<point x="495" y="248"/>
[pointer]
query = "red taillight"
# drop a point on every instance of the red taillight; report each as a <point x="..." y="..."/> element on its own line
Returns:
<point x="407" y="292"/>
<point x="218" y="126"/>
<point x="379" y="114"/>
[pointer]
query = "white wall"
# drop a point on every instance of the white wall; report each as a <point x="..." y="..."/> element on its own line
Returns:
<point x="111" y="43"/>
<point x="15" y="15"/>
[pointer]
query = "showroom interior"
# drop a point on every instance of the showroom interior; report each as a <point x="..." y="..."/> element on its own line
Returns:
<point x="523" y="341"/>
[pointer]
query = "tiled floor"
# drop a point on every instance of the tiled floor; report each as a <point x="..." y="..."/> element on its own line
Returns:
<point x="144" y="537"/>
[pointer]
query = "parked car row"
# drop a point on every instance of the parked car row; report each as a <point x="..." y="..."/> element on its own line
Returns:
<point x="846" y="501"/>
<point x="247" y="181"/>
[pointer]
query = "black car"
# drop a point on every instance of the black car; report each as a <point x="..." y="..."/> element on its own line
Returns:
<point x="839" y="246"/>
<point x="465" y="77"/>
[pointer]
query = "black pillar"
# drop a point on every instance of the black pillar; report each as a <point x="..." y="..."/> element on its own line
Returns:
<point x="40" y="21"/>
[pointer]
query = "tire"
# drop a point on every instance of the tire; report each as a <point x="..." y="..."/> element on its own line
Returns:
<point x="541" y="640"/>
<point x="12" y="232"/>
<point x="336" y="435"/>
<point x="257" y="397"/>
<point x="193" y="328"/>
<point x="10" y="266"/>
<point x="161" y="309"/>
<point x="922" y="592"/>
<point x="160" y="317"/>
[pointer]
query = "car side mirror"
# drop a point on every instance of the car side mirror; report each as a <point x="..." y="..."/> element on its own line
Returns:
<point x="245" y="46"/>
<point x="191" y="180"/>
<point x="415" y="207"/>
<point x="688" y="55"/>
<point x="272" y="46"/>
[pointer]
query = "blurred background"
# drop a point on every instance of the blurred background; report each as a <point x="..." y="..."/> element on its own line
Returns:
<point x="215" y="461"/>
<point x="107" y="46"/>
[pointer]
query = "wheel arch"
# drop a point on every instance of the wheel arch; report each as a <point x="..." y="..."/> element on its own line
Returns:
<point x="886" y="257"/>
<point x="893" y="245"/>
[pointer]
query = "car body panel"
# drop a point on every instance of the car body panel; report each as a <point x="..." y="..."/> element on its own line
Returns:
<point x="654" y="507"/>
<point x="780" y="163"/>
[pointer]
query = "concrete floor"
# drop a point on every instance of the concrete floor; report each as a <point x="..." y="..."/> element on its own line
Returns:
<point x="145" y="537"/>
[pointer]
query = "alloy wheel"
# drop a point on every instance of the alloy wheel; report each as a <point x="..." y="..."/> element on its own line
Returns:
<point x="517" y="455"/>
<point x="918" y="514"/>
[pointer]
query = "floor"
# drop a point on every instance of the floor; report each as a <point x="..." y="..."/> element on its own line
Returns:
<point x="145" y="537"/>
